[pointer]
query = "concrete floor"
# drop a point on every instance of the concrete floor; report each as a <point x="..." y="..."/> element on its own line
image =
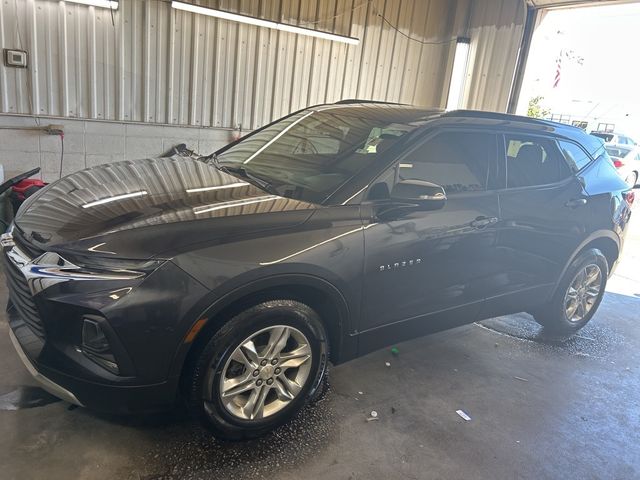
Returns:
<point x="539" y="409"/>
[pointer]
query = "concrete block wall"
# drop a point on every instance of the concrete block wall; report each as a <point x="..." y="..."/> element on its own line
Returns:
<point x="88" y="143"/>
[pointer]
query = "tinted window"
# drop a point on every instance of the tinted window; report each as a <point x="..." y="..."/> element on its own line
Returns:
<point x="575" y="155"/>
<point x="533" y="161"/>
<point x="593" y="144"/>
<point x="457" y="161"/>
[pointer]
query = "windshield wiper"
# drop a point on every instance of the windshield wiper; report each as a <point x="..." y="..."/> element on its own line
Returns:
<point x="244" y="173"/>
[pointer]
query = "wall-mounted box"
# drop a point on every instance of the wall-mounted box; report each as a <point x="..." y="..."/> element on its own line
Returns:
<point x="15" y="58"/>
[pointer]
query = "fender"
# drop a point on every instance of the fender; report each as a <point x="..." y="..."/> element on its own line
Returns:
<point x="343" y="345"/>
<point x="598" y="234"/>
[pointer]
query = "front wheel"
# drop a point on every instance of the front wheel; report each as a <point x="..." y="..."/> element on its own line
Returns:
<point x="578" y="295"/>
<point x="259" y="369"/>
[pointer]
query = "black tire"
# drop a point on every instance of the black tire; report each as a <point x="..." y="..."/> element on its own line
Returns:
<point x="205" y="402"/>
<point x="553" y="316"/>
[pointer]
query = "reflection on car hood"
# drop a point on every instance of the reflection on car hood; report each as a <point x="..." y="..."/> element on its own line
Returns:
<point x="136" y="200"/>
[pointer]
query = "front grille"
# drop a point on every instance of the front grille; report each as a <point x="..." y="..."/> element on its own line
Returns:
<point x="21" y="297"/>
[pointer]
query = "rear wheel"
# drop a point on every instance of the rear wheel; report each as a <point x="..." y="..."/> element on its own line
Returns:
<point x="578" y="295"/>
<point x="259" y="370"/>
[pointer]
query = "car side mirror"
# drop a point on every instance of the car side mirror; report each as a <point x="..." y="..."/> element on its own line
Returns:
<point x="424" y="195"/>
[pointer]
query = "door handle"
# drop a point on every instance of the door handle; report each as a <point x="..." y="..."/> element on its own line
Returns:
<point x="576" y="202"/>
<point x="483" y="222"/>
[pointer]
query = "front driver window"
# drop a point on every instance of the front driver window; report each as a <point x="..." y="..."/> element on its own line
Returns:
<point x="457" y="161"/>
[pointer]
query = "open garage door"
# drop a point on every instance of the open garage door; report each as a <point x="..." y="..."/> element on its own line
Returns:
<point x="536" y="12"/>
<point x="578" y="71"/>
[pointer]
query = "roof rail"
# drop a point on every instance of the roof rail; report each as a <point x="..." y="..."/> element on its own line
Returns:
<point x="348" y="101"/>
<point x="503" y="116"/>
<point x="492" y="115"/>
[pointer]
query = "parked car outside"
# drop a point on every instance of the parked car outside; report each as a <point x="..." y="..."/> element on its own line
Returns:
<point x="230" y="281"/>
<point x="627" y="160"/>
<point x="613" y="138"/>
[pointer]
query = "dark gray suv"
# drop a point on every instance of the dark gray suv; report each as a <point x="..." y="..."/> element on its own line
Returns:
<point x="230" y="281"/>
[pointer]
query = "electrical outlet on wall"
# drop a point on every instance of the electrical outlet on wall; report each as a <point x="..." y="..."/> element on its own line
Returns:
<point x="15" y="58"/>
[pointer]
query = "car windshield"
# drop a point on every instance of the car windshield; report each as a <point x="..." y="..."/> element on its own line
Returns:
<point x="618" y="151"/>
<point x="311" y="154"/>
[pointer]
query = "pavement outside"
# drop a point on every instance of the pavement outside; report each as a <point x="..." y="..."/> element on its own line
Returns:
<point x="540" y="408"/>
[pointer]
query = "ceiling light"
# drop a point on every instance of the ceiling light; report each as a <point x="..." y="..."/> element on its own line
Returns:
<point x="234" y="17"/>
<point x="111" y="4"/>
<point x="458" y="74"/>
<point x="317" y="33"/>
<point x="114" y="199"/>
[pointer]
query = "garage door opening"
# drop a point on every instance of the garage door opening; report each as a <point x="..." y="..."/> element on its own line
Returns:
<point x="582" y="71"/>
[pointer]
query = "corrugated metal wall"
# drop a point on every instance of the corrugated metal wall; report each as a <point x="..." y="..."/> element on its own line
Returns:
<point x="150" y="63"/>
<point x="495" y="28"/>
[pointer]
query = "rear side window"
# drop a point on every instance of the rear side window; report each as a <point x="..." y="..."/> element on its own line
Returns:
<point x="533" y="161"/>
<point x="457" y="161"/>
<point x="574" y="154"/>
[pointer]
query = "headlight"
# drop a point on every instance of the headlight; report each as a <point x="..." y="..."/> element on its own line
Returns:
<point x="51" y="268"/>
<point x="113" y="265"/>
<point x="80" y="267"/>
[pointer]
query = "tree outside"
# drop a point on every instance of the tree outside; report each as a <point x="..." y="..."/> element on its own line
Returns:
<point x="535" y="108"/>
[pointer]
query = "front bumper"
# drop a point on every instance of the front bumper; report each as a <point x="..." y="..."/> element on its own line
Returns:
<point x="103" y="397"/>
<point x="144" y="319"/>
<point x="50" y="386"/>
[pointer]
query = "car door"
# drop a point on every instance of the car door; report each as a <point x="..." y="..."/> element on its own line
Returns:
<point x="544" y="217"/>
<point x="422" y="263"/>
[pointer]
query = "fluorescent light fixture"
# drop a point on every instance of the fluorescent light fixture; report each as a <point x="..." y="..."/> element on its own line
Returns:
<point x="219" y="187"/>
<point x="317" y="33"/>
<point x="458" y="74"/>
<point x="235" y="17"/>
<point x="234" y="203"/>
<point x="114" y="199"/>
<point x="111" y="4"/>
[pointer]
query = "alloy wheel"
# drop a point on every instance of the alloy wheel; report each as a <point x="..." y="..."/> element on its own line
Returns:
<point x="265" y="372"/>
<point x="583" y="293"/>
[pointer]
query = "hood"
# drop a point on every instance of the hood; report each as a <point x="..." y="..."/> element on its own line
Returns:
<point x="140" y="208"/>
